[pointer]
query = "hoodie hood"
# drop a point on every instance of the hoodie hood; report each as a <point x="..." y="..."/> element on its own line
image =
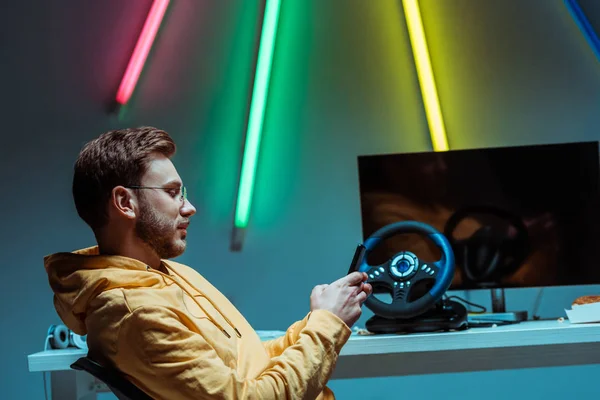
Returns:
<point x="77" y="278"/>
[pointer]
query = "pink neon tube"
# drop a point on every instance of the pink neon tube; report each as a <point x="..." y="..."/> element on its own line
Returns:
<point x="142" y="48"/>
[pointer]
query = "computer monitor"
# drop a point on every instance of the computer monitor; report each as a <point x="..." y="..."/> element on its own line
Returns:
<point x="553" y="189"/>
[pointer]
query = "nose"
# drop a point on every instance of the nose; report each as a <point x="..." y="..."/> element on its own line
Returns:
<point x="187" y="209"/>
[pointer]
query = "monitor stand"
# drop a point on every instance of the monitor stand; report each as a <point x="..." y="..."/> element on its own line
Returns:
<point x="499" y="312"/>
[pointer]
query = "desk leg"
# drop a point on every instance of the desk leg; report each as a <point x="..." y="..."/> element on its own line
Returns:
<point x="72" y="385"/>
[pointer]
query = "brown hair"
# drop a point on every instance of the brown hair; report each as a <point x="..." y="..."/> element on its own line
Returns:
<point x="115" y="158"/>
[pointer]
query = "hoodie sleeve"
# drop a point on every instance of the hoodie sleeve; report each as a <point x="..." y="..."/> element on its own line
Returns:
<point x="170" y="361"/>
<point x="276" y="346"/>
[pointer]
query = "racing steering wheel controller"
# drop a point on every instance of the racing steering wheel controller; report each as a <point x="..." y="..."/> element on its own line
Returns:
<point x="401" y="275"/>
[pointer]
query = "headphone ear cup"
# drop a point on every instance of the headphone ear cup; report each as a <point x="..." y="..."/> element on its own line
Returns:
<point x="480" y="255"/>
<point x="77" y="341"/>
<point x="58" y="336"/>
<point x="488" y="255"/>
<point x="469" y="256"/>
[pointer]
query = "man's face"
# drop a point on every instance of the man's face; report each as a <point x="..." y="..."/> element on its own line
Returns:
<point x="163" y="216"/>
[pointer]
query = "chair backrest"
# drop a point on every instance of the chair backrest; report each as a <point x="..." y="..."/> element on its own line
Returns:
<point x="116" y="382"/>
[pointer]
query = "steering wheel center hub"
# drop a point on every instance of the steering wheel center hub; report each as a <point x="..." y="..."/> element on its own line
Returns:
<point x="404" y="265"/>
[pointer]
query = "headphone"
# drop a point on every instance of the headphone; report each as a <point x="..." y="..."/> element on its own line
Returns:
<point x="490" y="253"/>
<point x="61" y="337"/>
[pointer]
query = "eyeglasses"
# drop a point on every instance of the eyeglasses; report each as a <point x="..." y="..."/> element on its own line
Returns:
<point x="180" y="192"/>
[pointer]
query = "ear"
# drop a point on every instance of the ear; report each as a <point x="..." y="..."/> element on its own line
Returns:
<point x="123" y="203"/>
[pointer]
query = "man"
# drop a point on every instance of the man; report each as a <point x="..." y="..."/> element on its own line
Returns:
<point x="161" y="323"/>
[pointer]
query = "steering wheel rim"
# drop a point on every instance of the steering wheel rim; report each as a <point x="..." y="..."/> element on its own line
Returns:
<point x="404" y="270"/>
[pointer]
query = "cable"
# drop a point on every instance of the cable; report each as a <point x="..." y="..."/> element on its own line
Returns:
<point x="536" y="305"/>
<point x="485" y="323"/>
<point x="482" y="308"/>
<point x="45" y="387"/>
<point x="46" y="345"/>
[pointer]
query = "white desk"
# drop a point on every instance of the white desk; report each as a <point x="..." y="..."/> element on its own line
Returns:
<point x="526" y="345"/>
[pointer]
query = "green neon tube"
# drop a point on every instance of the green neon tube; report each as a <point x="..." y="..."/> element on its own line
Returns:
<point x="257" y="112"/>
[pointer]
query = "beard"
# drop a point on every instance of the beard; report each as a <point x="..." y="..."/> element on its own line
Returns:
<point x="158" y="232"/>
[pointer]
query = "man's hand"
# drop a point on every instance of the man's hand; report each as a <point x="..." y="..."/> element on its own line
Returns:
<point x="343" y="297"/>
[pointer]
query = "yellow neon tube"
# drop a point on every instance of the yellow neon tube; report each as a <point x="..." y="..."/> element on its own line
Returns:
<point x="425" y="73"/>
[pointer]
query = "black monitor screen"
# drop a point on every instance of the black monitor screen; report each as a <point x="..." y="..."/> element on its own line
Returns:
<point x="523" y="216"/>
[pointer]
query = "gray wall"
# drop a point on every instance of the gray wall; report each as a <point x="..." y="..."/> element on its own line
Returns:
<point x="509" y="72"/>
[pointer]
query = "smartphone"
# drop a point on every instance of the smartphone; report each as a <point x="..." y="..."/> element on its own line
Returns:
<point x="359" y="254"/>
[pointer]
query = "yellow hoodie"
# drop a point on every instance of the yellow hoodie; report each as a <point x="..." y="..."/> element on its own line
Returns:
<point x="177" y="337"/>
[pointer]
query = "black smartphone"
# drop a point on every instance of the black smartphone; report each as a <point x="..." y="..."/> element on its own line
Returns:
<point x="357" y="259"/>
